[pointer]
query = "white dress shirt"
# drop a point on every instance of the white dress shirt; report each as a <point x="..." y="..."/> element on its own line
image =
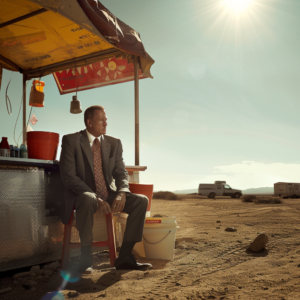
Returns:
<point x="92" y="138"/>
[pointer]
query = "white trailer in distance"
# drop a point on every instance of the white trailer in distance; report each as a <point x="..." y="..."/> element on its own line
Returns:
<point x="219" y="188"/>
<point x="287" y="190"/>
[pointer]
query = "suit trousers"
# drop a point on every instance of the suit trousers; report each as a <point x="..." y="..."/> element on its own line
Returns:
<point x="136" y="207"/>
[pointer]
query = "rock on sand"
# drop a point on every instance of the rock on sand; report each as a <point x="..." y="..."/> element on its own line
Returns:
<point x="259" y="243"/>
<point x="231" y="229"/>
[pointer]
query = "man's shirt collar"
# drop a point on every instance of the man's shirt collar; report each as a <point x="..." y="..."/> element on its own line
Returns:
<point x="92" y="138"/>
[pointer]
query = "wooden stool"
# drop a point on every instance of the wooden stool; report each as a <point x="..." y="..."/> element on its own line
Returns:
<point x="110" y="242"/>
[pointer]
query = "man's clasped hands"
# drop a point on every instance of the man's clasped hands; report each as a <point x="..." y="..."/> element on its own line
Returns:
<point x="116" y="207"/>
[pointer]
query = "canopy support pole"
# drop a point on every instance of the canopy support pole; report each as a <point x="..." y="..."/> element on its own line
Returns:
<point x="24" y="109"/>
<point x="136" y="110"/>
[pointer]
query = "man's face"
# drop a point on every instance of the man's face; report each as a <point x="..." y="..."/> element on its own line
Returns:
<point x="97" y="125"/>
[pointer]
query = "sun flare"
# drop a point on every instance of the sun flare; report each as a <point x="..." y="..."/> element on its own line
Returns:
<point x="237" y="6"/>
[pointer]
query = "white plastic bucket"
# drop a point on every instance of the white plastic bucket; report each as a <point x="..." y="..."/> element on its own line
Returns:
<point x="160" y="226"/>
<point x="159" y="243"/>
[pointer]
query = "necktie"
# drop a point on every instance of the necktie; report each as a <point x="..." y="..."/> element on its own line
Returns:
<point x="101" y="189"/>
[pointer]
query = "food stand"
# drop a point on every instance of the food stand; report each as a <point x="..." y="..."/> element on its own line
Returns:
<point x="38" y="38"/>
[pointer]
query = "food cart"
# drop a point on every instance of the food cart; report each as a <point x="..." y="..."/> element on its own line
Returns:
<point x="38" y="38"/>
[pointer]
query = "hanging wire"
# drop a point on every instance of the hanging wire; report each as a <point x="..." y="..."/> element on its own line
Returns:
<point x="26" y="125"/>
<point x="18" y="117"/>
<point x="22" y="132"/>
<point x="30" y="110"/>
<point x="7" y="100"/>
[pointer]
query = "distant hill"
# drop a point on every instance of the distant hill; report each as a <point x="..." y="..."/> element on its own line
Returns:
<point x="258" y="191"/>
<point x="186" y="191"/>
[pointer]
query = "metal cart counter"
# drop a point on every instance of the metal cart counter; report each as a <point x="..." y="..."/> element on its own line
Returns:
<point x="30" y="230"/>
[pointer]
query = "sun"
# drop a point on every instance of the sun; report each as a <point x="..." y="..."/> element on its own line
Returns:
<point x="237" y="6"/>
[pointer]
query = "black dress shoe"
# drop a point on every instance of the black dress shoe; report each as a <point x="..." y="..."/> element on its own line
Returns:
<point x="130" y="263"/>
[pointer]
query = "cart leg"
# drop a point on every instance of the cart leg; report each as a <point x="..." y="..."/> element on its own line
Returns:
<point x="111" y="238"/>
<point x="66" y="243"/>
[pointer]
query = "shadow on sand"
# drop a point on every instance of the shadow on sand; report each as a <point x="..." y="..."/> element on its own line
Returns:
<point x="111" y="277"/>
<point x="263" y="253"/>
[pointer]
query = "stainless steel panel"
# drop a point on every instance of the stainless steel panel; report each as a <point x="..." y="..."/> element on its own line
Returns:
<point x="22" y="212"/>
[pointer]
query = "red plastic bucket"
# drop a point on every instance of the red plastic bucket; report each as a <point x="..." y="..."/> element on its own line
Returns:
<point x="42" y="149"/>
<point x="42" y="134"/>
<point x="46" y="133"/>
<point x="143" y="189"/>
<point x="42" y="145"/>
<point x="42" y="139"/>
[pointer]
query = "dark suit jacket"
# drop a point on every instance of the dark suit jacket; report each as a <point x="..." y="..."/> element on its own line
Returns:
<point x="77" y="168"/>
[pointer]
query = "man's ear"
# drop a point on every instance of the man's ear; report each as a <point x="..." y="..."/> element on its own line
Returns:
<point x="89" y="123"/>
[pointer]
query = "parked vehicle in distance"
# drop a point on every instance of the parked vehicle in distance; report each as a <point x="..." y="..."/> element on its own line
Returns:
<point x="219" y="188"/>
<point x="287" y="190"/>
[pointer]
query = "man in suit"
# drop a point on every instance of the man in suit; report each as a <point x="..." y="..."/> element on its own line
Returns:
<point x="95" y="178"/>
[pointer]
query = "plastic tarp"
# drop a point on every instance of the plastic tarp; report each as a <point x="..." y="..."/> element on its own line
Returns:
<point x="54" y="35"/>
<point x="116" y="31"/>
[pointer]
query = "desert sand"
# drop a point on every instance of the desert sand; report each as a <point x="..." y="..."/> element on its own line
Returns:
<point x="209" y="262"/>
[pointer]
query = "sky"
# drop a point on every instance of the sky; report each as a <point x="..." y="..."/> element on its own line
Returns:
<point x="223" y="103"/>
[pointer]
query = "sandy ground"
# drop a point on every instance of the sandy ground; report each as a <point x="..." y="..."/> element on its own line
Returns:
<point x="209" y="262"/>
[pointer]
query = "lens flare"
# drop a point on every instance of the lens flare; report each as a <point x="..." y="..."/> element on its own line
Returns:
<point x="68" y="277"/>
<point x="54" y="296"/>
<point x="237" y="5"/>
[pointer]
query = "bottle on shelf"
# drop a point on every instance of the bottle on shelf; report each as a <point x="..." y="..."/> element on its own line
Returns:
<point x="12" y="151"/>
<point x="17" y="152"/>
<point x="23" y="151"/>
<point x="4" y="147"/>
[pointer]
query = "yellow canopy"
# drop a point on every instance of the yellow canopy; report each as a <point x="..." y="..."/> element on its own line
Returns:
<point x="39" y="37"/>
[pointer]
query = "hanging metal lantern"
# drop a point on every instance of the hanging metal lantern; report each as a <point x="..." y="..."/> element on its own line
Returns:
<point x="75" y="106"/>
<point x="37" y="96"/>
